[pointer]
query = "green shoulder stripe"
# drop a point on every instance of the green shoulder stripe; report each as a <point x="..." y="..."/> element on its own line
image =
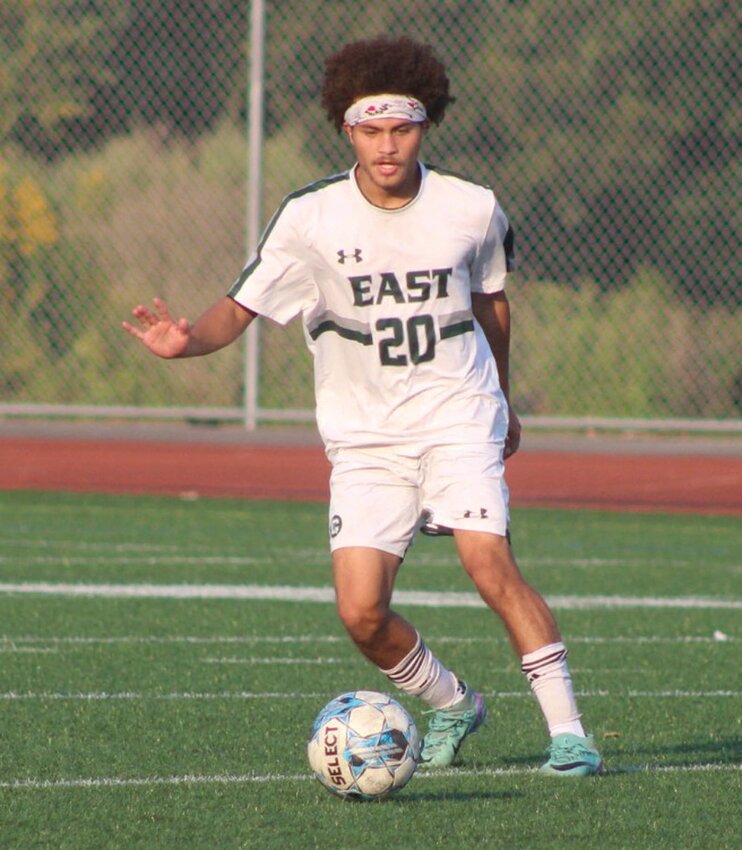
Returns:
<point x="317" y="186"/>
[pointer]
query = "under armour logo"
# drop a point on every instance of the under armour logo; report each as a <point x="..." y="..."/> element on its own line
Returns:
<point x="356" y="255"/>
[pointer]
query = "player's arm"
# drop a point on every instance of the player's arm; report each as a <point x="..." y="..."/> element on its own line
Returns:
<point x="220" y="325"/>
<point x="492" y="311"/>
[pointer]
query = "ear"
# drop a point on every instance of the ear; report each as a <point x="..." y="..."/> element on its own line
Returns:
<point x="348" y="130"/>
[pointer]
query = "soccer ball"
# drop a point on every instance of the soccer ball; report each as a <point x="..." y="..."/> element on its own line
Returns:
<point x="363" y="746"/>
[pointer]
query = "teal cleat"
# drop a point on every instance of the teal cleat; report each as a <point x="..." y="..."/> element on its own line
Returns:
<point x="570" y="755"/>
<point x="449" y="727"/>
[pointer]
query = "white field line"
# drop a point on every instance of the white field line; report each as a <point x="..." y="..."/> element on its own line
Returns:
<point x="356" y="659"/>
<point x="95" y="551"/>
<point x="252" y="778"/>
<point x="72" y="640"/>
<point x="718" y="637"/>
<point x="147" y="560"/>
<point x="176" y="696"/>
<point x="419" y="598"/>
<point x="104" y="546"/>
<point x="117" y="556"/>
<point x="153" y="550"/>
<point x="253" y="660"/>
<point x="80" y="640"/>
<point x="28" y="650"/>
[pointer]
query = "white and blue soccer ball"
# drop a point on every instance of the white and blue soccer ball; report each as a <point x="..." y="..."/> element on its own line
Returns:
<point x="364" y="745"/>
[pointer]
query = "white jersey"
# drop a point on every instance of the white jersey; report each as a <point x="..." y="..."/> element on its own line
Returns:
<point x="385" y="298"/>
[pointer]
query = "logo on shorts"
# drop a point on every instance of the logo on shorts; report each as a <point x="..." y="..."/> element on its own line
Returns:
<point x="482" y="513"/>
<point x="336" y="525"/>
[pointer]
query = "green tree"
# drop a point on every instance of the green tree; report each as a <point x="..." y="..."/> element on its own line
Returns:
<point x="177" y="65"/>
<point x="51" y="57"/>
<point x="608" y="130"/>
<point x="609" y="126"/>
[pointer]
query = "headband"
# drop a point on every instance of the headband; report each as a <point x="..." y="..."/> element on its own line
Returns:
<point x="385" y="106"/>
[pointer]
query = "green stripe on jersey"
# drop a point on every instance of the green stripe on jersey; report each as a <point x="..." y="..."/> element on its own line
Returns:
<point x="457" y="329"/>
<point x="317" y="186"/>
<point x="344" y="332"/>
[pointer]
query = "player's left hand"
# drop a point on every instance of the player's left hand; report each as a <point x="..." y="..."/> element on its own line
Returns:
<point x="512" y="441"/>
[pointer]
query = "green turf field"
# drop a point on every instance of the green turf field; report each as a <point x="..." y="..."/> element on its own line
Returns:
<point x="160" y="722"/>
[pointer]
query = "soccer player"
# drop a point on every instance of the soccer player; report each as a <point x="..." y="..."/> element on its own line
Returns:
<point x="398" y="271"/>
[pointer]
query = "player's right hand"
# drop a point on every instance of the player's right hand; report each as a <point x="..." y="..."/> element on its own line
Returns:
<point x="512" y="440"/>
<point x="161" y="334"/>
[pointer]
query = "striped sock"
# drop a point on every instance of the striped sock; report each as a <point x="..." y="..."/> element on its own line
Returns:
<point x="421" y="674"/>
<point x="548" y="675"/>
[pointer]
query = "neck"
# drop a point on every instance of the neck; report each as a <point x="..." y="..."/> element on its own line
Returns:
<point x="389" y="198"/>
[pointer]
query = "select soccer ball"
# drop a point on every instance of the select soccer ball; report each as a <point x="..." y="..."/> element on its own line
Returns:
<point x="364" y="745"/>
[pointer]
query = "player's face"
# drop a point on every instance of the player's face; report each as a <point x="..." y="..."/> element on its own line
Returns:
<point x="387" y="153"/>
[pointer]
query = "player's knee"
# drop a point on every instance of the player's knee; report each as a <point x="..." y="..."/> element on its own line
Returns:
<point x="363" y="623"/>
<point x="494" y="571"/>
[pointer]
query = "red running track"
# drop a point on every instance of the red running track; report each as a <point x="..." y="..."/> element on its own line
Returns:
<point x="674" y="483"/>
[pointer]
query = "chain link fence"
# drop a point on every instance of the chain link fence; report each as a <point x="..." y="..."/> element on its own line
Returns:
<point x="608" y="131"/>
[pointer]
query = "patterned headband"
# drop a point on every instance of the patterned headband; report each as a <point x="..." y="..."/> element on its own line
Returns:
<point x="385" y="106"/>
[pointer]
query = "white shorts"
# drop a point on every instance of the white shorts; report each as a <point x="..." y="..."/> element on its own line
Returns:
<point x="379" y="498"/>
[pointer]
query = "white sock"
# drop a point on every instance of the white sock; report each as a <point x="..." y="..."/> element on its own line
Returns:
<point x="548" y="675"/>
<point x="421" y="674"/>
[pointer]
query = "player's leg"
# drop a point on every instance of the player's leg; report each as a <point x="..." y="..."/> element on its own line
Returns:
<point x="489" y="561"/>
<point x="374" y="513"/>
<point x="465" y="490"/>
<point x="533" y="631"/>
<point x="364" y="579"/>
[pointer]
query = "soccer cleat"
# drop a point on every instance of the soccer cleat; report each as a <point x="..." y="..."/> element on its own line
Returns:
<point x="448" y="728"/>
<point x="571" y="755"/>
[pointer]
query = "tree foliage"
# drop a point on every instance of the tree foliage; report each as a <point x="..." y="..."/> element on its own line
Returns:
<point x="609" y="130"/>
<point x="52" y="62"/>
<point x="78" y="71"/>
<point x="616" y="129"/>
<point x="177" y="64"/>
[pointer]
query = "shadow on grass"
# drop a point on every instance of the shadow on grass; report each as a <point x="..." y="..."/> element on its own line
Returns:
<point x="531" y="760"/>
<point x="692" y="755"/>
<point x="417" y="796"/>
<point x="722" y="752"/>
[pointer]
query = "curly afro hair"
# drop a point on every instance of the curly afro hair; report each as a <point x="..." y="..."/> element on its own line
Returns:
<point x="384" y="65"/>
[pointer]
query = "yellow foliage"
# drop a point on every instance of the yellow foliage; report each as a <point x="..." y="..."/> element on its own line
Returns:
<point x="36" y="222"/>
<point x="6" y="227"/>
<point x="6" y="212"/>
